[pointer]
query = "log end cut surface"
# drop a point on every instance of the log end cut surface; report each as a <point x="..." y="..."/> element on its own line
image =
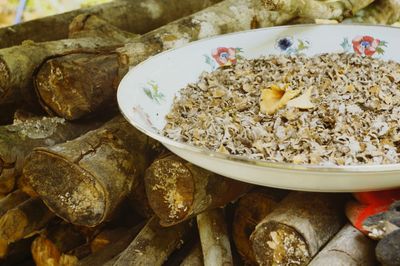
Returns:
<point x="279" y="244"/>
<point x="172" y="190"/>
<point x="47" y="172"/>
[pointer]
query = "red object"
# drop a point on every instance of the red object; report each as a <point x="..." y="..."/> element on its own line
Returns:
<point x="225" y="56"/>
<point x="369" y="204"/>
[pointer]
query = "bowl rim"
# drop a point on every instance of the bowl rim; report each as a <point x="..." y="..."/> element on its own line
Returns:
<point x="367" y="168"/>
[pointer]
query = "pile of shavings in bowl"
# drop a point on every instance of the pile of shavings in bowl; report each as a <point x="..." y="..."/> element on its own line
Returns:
<point x="330" y="109"/>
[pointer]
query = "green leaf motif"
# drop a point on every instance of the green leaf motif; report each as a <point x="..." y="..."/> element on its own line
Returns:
<point x="148" y="93"/>
<point x="379" y="50"/>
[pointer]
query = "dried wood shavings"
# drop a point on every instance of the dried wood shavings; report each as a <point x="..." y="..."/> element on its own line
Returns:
<point x="346" y="110"/>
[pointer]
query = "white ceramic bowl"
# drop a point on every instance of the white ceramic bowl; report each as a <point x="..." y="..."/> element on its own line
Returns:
<point x="146" y="94"/>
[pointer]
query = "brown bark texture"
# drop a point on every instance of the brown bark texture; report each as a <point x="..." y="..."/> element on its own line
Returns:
<point x="194" y="258"/>
<point x="214" y="238"/>
<point x="318" y="9"/>
<point x="178" y="190"/>
<point x="154" y="244"/>
<point x="225" y="17"/>
<point x="18" y="140"/>
<point x="22" y="221"/>
<point x="250" y="210"/>
<point x="116" y="243"/>
<point x="84" y="180"/>
<point x="297" y="228"/>
<point x="137" y="16"/>
<point x="12" y="200"/>
<point x="348" y="247"/>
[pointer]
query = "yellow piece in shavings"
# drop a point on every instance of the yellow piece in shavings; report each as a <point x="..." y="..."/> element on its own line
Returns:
<point x="303" y="101"/>
<point x="222" y="149"/>
<point x="275" y="98"/>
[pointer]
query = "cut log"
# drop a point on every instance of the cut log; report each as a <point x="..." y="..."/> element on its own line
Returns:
<point x="380" y="12"/>
<point x="214" y="238"/>
<point x="17" y="252"/>
<point x="51" y="245"/>
<point x="318" y="9"/>
<point x="251" y="209"/>
<point x="12" y="200"/>
<point x="138" y="16"/>
<point x="138" y="200"/>
<point x="349" y="247"/>
<point x="116" y="243"/>
<point x="18" y="140"/>
<point x="227" y="16"/>
<point x="84" y="180"/>
<point x="388" y="249"/>
<point x="297" y="228"/>
<point x="22" y="221"/>
<point x="194" y="258"/>
<point x="154" y="244"/>
<point x="178" y="190"/>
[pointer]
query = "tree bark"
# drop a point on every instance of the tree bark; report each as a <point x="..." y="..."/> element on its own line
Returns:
<point x="380" y="12"/>
<point x="250" y="210"/>
<point x="11" y="201"/>
<point x="349" y="247"/>
<point x="18" y="140"/>
<point x="318" y="9"/>
<point x="294" y="231"/>
<point x="117" y="243"/>
<point x="194" y="258"/>
<point x="84" y="180"/>
<point x="153" y="244"/>
<point x="21" y="221"/>
<point x="134" y="16"/>
<point x="227" y="16"/>
<point x="178" y="190"/>
<point x="214" y="238"/>
<point x="17" y="252"/>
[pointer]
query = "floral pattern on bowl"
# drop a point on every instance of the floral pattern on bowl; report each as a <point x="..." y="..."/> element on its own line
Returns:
<point x="364" y="45"/>
<point x="223" y="56"/>
<point x="153" y="92"/>
<point x="290" y="45"/>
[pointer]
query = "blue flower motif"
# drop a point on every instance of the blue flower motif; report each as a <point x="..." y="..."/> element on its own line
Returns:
<point x="284" y="43"/>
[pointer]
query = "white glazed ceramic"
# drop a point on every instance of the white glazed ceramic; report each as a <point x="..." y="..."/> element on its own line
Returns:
<point x="146" y="94"/>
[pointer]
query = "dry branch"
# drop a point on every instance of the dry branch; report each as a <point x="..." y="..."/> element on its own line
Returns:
<point x="154" y="244"/>
<point x="315" y="9"/>
<point x="251" y="209"/>
<point x="214" y="238"/>
<point x="178" y="190"/>
<point x="137" y="16"/>
<point x="18" y="140"/>
<point x="116" y="243"/>
<point x="295" y="230"/>
<point x="379" y="12"/>
<point x="22" y="221"/>
<point x="227" y="16"/>
<point x="348" y="247"/>
<point x="84" y="180"/>
<point x="194" y="258"/>
<point x="12" y="200"/>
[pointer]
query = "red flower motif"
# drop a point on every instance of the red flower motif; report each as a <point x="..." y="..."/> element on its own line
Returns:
<point x="365" y="45"/>
<point x="225" y="56"/>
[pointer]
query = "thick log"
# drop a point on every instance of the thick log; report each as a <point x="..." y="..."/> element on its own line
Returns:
<point x="154" y="244"/>
<point x="380" y="12"/>
<point x="12" y="200"/>
<point x="316" y="9"/>
<point x="214" y="238"/>
<point x="84" y="180"/>
<point x="17" y="252"/>
<point x="194" y="258"/>
<point x="178" y="190"/>
<point x="7" y="112"/>
<point x="18" y="140"/>
<point x="250" y="210"/>
<point x="22" y="221"/>
<point x="138" y="16"/>
<point x="348" y="247"/>
<point x="138" y="200"/>
<point x="297" y="229"/>
<point x="227" y="16"/>
<point x="115" y="243"/>
<point x="388" y="249"/>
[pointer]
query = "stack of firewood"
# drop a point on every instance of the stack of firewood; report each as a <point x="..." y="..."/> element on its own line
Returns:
<point x="80" y="186"/>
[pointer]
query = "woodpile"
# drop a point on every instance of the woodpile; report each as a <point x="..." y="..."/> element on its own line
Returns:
<point x="80" y="186"/>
